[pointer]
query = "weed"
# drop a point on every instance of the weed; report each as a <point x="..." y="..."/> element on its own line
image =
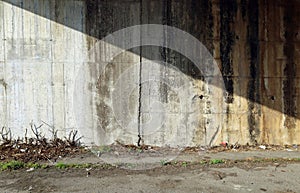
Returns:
<point x="33" y="165"/>
<point x="87" y="165"/>
<point x="216" y="161"/>
<point x="44" y="166"/>
<point x="184" y="164"/>
<point x="12" y="165"/>
<point x="62" y="165"/>
<point x="164" y="162"/>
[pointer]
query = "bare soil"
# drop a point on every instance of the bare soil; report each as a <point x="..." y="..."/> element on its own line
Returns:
<point x="244" y="170"/>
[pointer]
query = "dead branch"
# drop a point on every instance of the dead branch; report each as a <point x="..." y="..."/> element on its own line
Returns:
<point x="6" y="134"/>
<point x="73" y="139"/>
<point x="52" y="130"/>
<point x="36" y="132"/>
<point x="25" y="136"/>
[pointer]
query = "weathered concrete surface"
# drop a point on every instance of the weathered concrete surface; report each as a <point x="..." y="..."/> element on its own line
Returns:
<point x="45" y="49"/>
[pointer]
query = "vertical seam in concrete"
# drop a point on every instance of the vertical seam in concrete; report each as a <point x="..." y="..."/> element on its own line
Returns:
<point x="4" y="69"/>
<point x="140" y="80"/>
<point x="22" y="99"/>
<point x="64" y="97"/>
<point x="52" y="58"/>
<point x="12" y="25"/>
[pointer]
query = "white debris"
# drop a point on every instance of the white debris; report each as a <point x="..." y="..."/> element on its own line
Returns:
<point x="262" y="147"/>
<point x="30" y="170"/>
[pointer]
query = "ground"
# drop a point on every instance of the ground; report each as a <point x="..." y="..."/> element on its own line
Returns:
<point x="258" y="170"/>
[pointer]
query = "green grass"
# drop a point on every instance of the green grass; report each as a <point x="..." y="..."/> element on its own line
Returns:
<point x="12" y="165"/>
<point x="61" y="165"/>
<point x="15" y="165"/>
<point x="164" y="162"/>
<point x="35" y="165"/>
<point x="216" y="161"/>
<point x="184" y="164"/>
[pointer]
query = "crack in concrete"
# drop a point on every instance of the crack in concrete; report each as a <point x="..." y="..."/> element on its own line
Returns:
<point x="140" y="82"/>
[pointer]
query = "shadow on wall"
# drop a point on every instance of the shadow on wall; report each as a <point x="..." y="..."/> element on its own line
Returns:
<point x="256" y="44"/>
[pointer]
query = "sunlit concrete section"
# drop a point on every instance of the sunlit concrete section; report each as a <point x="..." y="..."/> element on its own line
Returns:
<point x="39" y="60"/>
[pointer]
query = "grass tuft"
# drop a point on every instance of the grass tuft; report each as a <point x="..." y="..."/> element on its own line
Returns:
<point x="12" y="165"/>
<point x="216" y="161"/>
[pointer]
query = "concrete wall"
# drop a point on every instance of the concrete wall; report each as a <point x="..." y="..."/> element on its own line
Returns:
<point x="48" y="71"/>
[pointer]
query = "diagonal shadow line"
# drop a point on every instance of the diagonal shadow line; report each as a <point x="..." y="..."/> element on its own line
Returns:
<point x="32" y="6"/>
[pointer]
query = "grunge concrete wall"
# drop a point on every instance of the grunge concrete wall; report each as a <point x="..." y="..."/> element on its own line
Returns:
<point x="45" y="46"/>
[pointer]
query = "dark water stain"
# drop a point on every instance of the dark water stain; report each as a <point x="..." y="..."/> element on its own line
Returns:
<point x="56" y="11"/>
<point x="228" y="11"/>
<point x="201" y="25"/>
<point x="195" y="17"/>
<point x="165" y="53"/>
<point x="103" y="110"/>
<point x="197" y="20"/>
<point x="102" y="18"/>
<point x="254" y="83"/>
<point x="243" y="5"/>
<point x="99" y="18"/>
<point x="166" y="15"/>
<point x="289" y="84"/>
